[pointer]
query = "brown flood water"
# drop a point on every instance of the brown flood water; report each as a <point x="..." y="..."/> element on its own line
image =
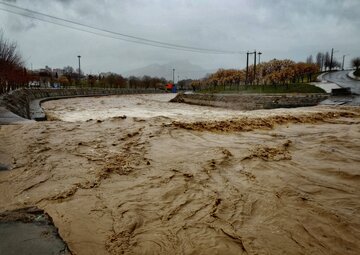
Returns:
<point x="180" y="179"/>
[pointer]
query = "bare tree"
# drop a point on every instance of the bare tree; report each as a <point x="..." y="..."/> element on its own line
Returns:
<point x="320" y="59"/>
<point x="355" y="62"/>
<point x="327" y="60"/>
<point x="70" y="74"/>
<point x="12" y="72"/>
<point x="309" y="59"/>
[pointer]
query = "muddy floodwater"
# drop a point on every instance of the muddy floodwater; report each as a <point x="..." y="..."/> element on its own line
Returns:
<point x="138" y="175"/>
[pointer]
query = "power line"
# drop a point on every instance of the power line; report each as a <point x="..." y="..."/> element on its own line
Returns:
<point x="104" y="35"/>
<point x="134" y="39"/>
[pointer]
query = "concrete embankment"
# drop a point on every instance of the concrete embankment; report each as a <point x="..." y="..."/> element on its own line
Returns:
<point x="251" y="101"/>
<point x="26" y="102"/>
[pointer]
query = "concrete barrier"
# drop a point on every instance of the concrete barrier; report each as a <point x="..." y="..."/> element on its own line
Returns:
<point x="26" y="102"/>
<point x="251" y="101"/>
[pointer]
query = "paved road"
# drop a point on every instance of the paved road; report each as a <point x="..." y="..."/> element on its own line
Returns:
<point x="341" y="79"/>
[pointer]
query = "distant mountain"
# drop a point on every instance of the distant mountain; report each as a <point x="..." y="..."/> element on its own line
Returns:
<point x="184" y="69"/>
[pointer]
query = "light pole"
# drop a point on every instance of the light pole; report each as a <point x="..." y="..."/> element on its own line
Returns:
<point x="79" y="67"/>
<point x="259" y="53"/>
<point x="173" y="76"/>
<point x="332" y="58"/>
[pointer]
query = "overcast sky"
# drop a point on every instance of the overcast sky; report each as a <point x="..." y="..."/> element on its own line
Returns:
<point x="278" y="28"/>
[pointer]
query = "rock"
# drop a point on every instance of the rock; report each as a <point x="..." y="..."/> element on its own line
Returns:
<point x="4" y="167"/>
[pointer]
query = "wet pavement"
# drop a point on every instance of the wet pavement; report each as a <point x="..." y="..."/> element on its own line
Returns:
<point x="341" y="79"/>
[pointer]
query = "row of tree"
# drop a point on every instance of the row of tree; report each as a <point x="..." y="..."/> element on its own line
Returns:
<point x="112" y="80"/>
<point x="118" y="81"/>
<point x="13" y="74"/>
<point x="325" y="63"/>
<point x="272" y="72"/>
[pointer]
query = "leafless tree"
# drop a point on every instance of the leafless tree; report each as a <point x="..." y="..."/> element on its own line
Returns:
<point x="12" y="72"/>
<point x="309" y="59"/>
<point x="355" y="62"/>
<point x="320" y="59"/>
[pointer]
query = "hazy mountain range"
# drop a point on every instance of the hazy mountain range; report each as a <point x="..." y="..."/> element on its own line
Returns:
<point x="183" y="70"/>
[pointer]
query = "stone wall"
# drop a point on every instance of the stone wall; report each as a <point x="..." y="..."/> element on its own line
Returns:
<point x="251" y="101"/>
<point x="26" y="102"/>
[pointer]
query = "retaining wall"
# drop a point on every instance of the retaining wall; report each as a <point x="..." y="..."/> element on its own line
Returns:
<point x="26" y="102"/>
<point x="251" y="101"/>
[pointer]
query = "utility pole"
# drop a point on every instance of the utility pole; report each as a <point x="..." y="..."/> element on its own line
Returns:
<point x="173" y="76"/>
<point x="247" y="68"/>
<point x="254" y="66"/>
<point x="331" y="58"/>
<point x="259" y="53"/>
<point x="79" y="67"/>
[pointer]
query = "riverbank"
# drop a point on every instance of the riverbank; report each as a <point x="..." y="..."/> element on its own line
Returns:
<point x="29" y="230"/>
<point x="138" y="175"/>
<point x="26" y="102"/>
<point x="252" y="101"/>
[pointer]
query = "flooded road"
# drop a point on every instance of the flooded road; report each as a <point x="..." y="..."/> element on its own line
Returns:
<point x="179" y="179"/>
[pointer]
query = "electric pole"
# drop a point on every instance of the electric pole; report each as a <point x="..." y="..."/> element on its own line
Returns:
<point x="331" y="58"/>
<point x="259" y="53"/>
<point x="79" y="67"/>
<point x="254" y="66"/>
<point x="247" y="68"/>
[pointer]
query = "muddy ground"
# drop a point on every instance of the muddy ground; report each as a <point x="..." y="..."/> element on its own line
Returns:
<point x="138" y="175"/>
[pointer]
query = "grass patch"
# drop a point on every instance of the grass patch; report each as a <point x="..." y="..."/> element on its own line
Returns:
<point x="289" y="88"/>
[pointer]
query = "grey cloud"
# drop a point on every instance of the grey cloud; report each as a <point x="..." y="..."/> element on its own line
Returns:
<point x="65" y="1"/>
<point x="279" y="28"/>
<point x="19" y="25"/>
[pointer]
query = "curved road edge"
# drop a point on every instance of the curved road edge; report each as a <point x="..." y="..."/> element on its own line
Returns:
<point x="341" y="78"/>
<point x="352" y="76"/>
